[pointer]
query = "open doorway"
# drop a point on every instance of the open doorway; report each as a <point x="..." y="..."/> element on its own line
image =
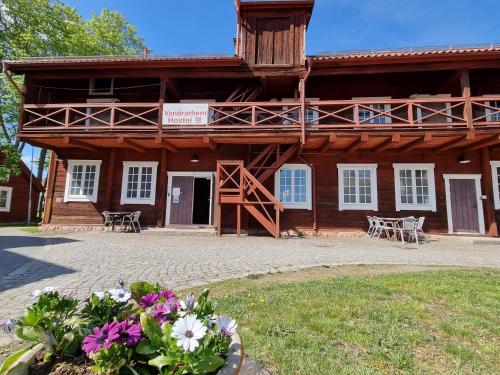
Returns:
<point x="190" y="198"/>
<point x="201" y="200"/>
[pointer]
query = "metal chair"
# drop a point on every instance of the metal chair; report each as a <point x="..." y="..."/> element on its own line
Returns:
<point x="108" y="220"/>
<point x="420" y="227"/>
<point x="371" y="228"/>
<point x="407" y="225"/>
<point x="381" y="226"/>
<point x="133" y="221"/>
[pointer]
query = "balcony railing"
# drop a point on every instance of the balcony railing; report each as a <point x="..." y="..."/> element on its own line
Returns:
<point x="452" y="112"/>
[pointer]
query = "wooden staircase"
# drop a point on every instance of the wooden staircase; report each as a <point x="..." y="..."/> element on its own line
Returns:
<point x="243" y="187"/>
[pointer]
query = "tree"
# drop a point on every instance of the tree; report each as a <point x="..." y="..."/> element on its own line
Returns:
<point x="31" y="28"/>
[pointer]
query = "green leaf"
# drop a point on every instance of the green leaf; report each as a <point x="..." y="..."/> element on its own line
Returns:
<point x="145" y="348"/>
<point x="11" y="359"/>
<point x="162" y="360"/>
<point x="209" y="363"/>
<point x="152" y="329"/>
<point x="140" y="288"/>
<point x="26" y="333"/>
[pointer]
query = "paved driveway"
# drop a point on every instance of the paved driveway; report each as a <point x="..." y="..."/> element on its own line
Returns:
<point x="84" y="262"/>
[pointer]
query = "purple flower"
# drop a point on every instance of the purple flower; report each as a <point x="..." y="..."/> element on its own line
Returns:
<point x="161" y="312"/>
<point x="149" y="300"/>
<point x="129" y="334"/>
<point x="167" y="294"/>
<point x="101" y="338"/>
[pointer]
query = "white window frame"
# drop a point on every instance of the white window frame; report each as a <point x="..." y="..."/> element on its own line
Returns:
<point x="307" y="205"/>
<point x="427" y="96"/>
<point x="92" y="87"/>
<point x="126" y="165"/>
<point x="373" y="206"/>
<point x="432" y="187"/>
<point x="489" y="112"/>
<point x="82" y="198"/>
<point x="8" y="189"/>
<point x="387" y="108"/>
<point x="494" y="179"/>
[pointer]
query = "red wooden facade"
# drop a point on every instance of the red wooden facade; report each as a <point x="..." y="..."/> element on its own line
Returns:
<point x="14" y="193"/>
<point x="281" y="125"/>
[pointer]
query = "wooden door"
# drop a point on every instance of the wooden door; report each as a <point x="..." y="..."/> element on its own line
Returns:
<point x="181" y="200"/>
<point x="464" y="210"/>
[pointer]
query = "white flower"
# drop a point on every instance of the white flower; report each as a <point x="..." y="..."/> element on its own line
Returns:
<point x="189" y="305"/>
<point x="188" y="331"/>
<point x="99" y="295"/>
<point x="49" y="289"/>
<point x="120" y="295"/>
<point x="8" y="325"/>
<point x="36" y="293"/>
<point x="226" y="325"/>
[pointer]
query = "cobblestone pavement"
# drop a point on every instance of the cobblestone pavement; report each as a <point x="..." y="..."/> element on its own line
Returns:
<point x="85" y="262"/>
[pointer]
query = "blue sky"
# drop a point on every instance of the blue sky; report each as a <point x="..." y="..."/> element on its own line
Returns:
<point x="173" y="27"/>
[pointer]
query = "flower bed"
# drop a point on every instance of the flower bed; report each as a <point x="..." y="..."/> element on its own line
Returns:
<point x="144" y="330"/>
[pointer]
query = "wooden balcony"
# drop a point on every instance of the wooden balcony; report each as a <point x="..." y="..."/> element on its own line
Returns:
<point x="398" y="114"/>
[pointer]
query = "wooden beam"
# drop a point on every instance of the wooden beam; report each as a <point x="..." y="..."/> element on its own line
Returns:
<point x="396" y="138"/>
<point x="484" y="143"/>
<point x="162" y="189"/>
<point x="454" y="142"/>
<point x="358" y="143"/>
<point x="163" y="143"/>
<point x="329" y="142"/>
<point x="209" y="143"/>
<point x="109" y="180"/>
<point x="415" y="143"/>
<point x="491" y="224"/>
<point x="79" y="144"/>
<point x="131" y="144"/>
<point x="466" y="93"/>
<point x="172" y="88"/>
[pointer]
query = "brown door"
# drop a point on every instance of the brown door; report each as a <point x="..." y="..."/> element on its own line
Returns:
<point x="181" y="200"/>
<point x="463" y="200"/>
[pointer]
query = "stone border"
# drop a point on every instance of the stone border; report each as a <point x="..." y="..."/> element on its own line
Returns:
<point x="234" y="360"/>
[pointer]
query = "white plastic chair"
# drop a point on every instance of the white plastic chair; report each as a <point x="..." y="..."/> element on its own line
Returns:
<point x="420" y="227"/>
<point x="381" y="226"/>
<point x="371" y="228"/>
<point x="108" y="220"/>
<point x="133" y="221"/>
<point x="407" y="225"/>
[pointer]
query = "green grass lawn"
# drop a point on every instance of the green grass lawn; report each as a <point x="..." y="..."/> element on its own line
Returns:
<point x="436" y="322"/>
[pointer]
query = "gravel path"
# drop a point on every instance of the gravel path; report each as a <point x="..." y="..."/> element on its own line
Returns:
<point x="85" y="262"/>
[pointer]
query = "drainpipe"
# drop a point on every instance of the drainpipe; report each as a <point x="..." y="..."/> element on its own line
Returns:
<point x="303" y="102"/>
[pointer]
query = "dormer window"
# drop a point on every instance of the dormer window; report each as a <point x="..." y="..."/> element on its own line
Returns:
<point x="101" y="86"/>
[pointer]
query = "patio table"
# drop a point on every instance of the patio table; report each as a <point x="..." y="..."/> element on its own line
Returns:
<point x="118" y="217"/>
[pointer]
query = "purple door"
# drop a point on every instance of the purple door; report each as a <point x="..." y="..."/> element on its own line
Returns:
<point x="181" y="200"/>
<point x="463" y="200"/>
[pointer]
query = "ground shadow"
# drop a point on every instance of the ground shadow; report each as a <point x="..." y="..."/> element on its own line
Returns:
<point x="18" y="265"/>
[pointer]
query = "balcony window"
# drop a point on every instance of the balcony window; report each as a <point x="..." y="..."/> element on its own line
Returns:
<point x="292" y="186"/>
<point x="139" y="182"/>
<point x="5" y="198"/>
<point x="101" y="86"/>
<point x="493" y="115"/>
<point x="357" y="187"/>
<point x="414" y="187"/>
<point x="371" y="113"/>
<point x="82" y="181"/>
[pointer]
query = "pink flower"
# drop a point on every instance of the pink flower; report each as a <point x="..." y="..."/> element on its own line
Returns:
<point x="101" y="338"/>
<point x="149" y="300"/>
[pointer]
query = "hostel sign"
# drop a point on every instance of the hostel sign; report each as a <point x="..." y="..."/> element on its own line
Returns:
<point x="185" y="114"/>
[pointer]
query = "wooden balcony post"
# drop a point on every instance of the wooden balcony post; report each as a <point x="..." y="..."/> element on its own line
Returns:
<point x="356" y="114"/>
<point x="410" y="114"/>
<point x="302" y="90"/>
<point x="109" y="180"/>
<point x="112" y="117"/>
<point x="254" y="116"/>
<point x="466" y="94"/>
<point x="163" y="88"/>
<point x="162" y="188"/>
<point x="491" y="224"/>
<point x="66" y="117"/>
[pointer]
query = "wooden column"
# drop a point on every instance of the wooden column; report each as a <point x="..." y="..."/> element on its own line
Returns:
<point x="491" y="224"/>
<point x="108" y="203"/>
<point x="51" y="179"/>
<point x="466" y="94"/>
<point x="163" y="88"/>
<point x="162" y="189"/>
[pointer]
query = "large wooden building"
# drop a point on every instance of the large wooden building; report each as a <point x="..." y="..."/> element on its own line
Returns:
<point x="270" y="139"/>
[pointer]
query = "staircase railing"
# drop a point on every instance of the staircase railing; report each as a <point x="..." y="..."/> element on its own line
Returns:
<point x="237" y="186"/>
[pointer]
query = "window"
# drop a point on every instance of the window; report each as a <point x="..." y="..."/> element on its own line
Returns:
<point x="495" y="177"/>
<point x="358" y="187"/>
<point x="370" y="114"/>
<point x="82" y="180"/>
<point x="292" y="186"/>
<point x="415" y="188"/>
<point x="5" y="198"/>
<point x="492" y="114"/>
<point x="101" y="86"/>
<point x="139" y="182"/>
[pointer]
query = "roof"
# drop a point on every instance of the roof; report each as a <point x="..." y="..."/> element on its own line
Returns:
<point x="28" y="63"/>
<point x="36" y="182"/>
<point x="408" y="52"/>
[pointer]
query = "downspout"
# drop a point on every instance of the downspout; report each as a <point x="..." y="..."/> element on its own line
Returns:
<point x="303" y="103"/>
